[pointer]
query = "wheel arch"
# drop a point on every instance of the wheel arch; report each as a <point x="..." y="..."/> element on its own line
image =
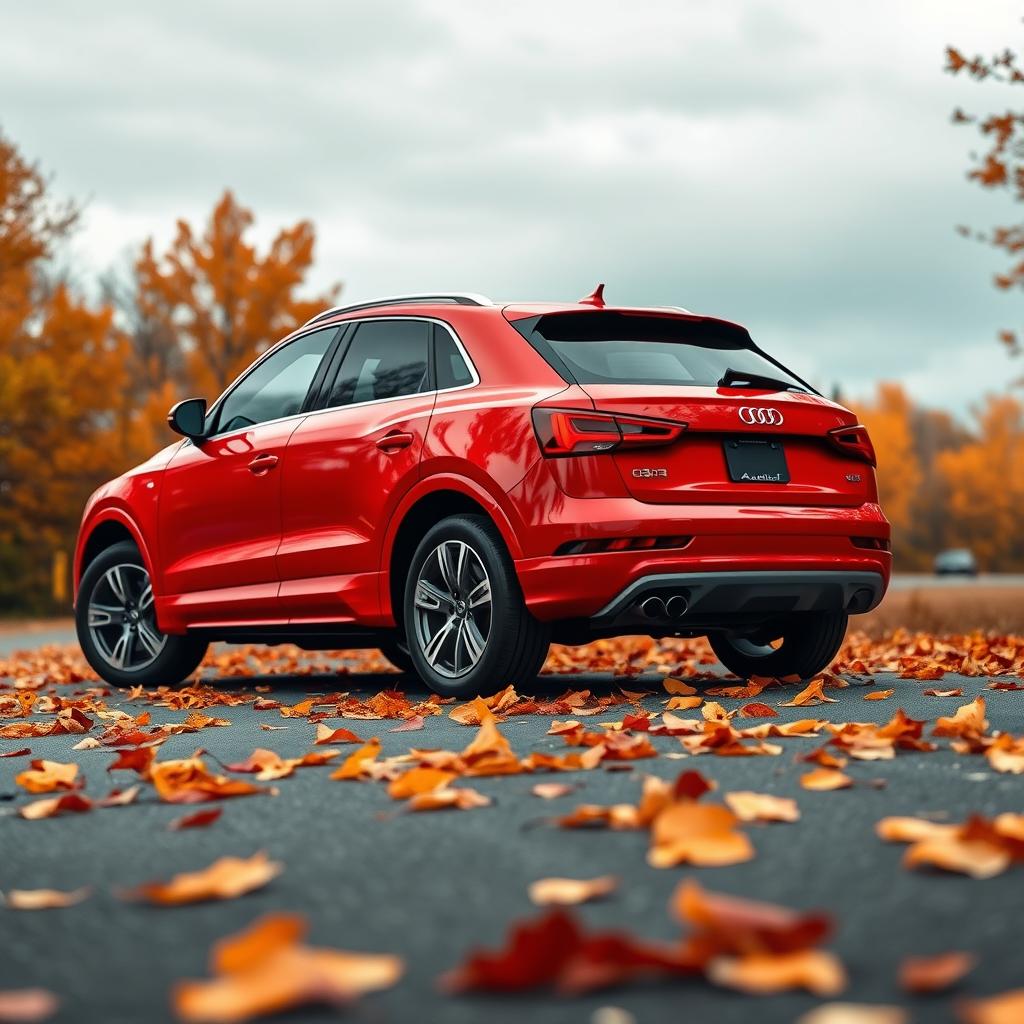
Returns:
<point x="112" y="528"/>
<point x="447" y="497"/>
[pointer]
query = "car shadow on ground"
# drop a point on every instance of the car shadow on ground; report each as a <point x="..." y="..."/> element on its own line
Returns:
<point x="367" y="684"/>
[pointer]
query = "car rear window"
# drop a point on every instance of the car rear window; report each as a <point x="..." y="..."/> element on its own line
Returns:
<point x="619" y="348"/>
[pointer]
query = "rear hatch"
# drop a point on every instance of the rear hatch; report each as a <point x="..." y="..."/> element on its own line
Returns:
<point x="768" y="438"/>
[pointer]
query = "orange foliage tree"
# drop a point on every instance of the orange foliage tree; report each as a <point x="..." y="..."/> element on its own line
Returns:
<point x="219" y="300"/>
<point x="62" y="425"/>
<point x="1000" y="166"/>
<point x="985" y="485"/>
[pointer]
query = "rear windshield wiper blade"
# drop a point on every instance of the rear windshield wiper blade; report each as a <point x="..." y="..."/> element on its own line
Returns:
<point x="732" y="377"/>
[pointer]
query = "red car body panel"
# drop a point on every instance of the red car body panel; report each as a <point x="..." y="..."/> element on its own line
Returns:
<point x="295" y="521"/>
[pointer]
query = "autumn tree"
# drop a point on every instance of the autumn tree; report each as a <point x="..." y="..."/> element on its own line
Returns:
<point x="1000" y="166"/>
<point x="985" y="482"/>
<point x="62" y="415"/>
<point x="216" y="298"/>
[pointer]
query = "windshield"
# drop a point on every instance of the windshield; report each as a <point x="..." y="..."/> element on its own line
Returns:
<point x="619" y="348"/>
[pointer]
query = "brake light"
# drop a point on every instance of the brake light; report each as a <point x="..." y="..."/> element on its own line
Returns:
<point x="562" y="432"/>
<point x="854" y="441"/>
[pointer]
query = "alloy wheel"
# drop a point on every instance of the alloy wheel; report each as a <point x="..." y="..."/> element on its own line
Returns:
<point x="452" y="609"/>
<point x="122" y="618"/>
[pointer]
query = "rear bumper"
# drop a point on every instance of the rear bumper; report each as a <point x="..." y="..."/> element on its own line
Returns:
<point x="726" y="540"/>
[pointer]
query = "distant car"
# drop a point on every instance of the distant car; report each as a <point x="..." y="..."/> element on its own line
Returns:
<point x="460" y="483"/>
<point x="956" y="562"/>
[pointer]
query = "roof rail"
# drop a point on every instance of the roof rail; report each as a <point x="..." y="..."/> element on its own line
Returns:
<point x="459" y="298"/>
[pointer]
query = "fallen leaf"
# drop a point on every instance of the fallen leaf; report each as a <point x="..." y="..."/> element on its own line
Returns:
<point x="225" y="879"/>
<point x="198" y="819"/>
<point x="187" y="781"/>
<point x="677" y="687"/>
<point x="815" y="970"/>
<point x="460" y="798"/>
<point x="24" y="751"/>
<point x="749" y="806"/>
<point x="409" y="725"/>
<point x="704" y="835"/>
<point x="1007" y="1008"/>
<point x="266" y="970"/>
<point x="564" y="892"/>
<point x="813" y="693"/>
<point x="43" y="899"/>
<point x="879" y="694"/>
<point x="27" y="1005"/>
<point x="419" y="780"/>
<point x="944" y="693"/>
<point x="854" y="1013"/>
<point x="757" y="710"/>
<point x="552" y="790"/>
<point x="356" y="765"/>
<point x="825" y="779"/>
<point x="69" y="803"/>
<point x="935" y="973"/>
<point x="325" y="734"/>
<point x="48" y="777"/>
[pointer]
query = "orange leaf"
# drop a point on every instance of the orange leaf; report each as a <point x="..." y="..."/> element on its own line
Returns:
<point x="265" y="970"/>
<point x="48" y="777"/>
<point x="419" y="780"/>
<point x="684" y="703"/>
<point x="700" y="834"/>
<point x="325" y="734"/>
<point x="54" y="805"/>
<point x="879" y="694"/>
<point x="460" y="798"/>
<point x="225" y="879"/>
<point x="1007" y="1008"/>
<point x="552" y="790"/>
<point x="677" y="687"/>
<point x="565" y="892"/>
<point x="815" y="970"/>
<point x="813" y="693"/>
<point x="756" y="710"/>
<point x="749" y="806"/>
<point x="356" y="765"/>
<point x="43" y="899"/>
<point x="27" y="1005"/>
<point x="825" y="778"/>
<point x="935" y="973"/>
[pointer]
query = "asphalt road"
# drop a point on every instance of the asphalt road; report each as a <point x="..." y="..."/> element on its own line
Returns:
<point x="431" y="886"/>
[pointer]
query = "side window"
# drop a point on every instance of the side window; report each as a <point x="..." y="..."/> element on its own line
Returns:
<point x="450" y="368"/>
<point x="278" y="386"/>
<point x="385" y="359"/>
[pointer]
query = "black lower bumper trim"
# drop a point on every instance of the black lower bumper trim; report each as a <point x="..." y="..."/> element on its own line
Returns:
<point x="746" y="594"/>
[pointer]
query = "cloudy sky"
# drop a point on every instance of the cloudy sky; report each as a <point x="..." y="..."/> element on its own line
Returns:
<point x="787" y="164"/>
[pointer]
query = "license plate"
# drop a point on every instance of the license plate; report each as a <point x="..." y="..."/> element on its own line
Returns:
<point x="756" y="462"/>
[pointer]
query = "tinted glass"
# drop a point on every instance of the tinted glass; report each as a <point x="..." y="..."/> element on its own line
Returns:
<point x="449" y="366"/>
<point x="278" y="386"/>
<point x="613" y="348"/>
<point x="385" y="359"/>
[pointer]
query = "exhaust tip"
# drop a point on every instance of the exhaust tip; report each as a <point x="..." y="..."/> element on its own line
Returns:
<point x="653" y="607"/>
<point x="676" y="606"/>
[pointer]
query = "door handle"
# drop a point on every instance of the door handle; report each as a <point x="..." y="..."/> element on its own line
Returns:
<point x="394" y="441"/>
<point x="262" y="464"/>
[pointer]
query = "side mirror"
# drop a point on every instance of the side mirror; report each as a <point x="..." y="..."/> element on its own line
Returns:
<point x="189" y="418"/>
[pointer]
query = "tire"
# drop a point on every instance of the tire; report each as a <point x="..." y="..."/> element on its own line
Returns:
<point x="809" y="643"/>
<point x="115" y="585"/>
<point x="397" y="652"/>
<point x="456" y="664"/>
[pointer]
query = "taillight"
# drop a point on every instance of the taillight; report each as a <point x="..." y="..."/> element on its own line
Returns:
<point x="854" y="441"/>
<point x="579" y="432"/>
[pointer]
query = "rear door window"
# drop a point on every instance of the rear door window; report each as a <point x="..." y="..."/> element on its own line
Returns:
<point x="617" y="348"/>
<point x="384" y="359"/>
<point x="450" y="367"/>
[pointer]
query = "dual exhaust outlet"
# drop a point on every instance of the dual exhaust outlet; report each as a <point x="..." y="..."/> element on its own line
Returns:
<point x="658" y="608"/>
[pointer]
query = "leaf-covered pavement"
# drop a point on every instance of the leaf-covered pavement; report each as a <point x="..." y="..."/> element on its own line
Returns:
<point x="370" y="876"/>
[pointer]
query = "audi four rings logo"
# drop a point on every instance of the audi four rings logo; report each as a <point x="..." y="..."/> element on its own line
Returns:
<point x="759" y="414"/>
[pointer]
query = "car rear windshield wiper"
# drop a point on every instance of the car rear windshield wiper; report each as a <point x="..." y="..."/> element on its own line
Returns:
<point x="732" y="377"/>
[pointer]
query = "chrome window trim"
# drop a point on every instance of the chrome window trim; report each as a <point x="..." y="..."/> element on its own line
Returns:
<point x="352" y="405"/>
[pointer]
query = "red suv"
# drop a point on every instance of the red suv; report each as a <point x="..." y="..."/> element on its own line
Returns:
<point x="460" y="483"/>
